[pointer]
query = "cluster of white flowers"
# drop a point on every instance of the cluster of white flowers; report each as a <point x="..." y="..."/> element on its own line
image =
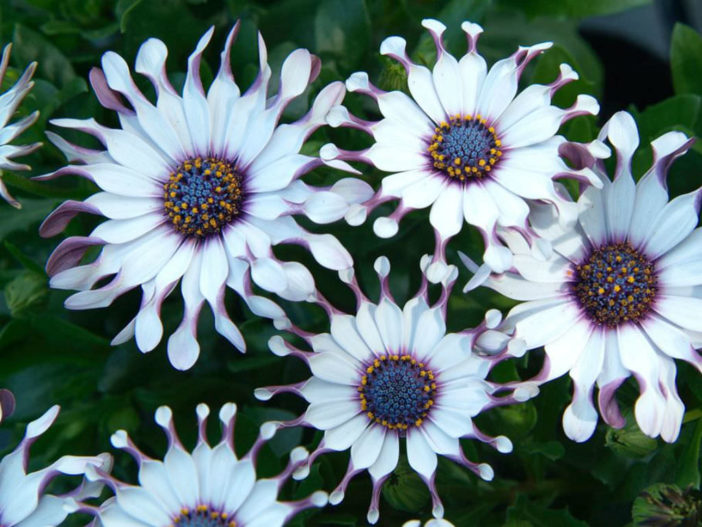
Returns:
<point x="199" y="186"/>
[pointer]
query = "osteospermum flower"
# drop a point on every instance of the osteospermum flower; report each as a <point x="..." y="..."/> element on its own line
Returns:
<point x="389" y="374"/>
<point x="9" y="102"/>
<point x="22" y="499"/>
<point x="464" y="144"/>
<point x="198" y="187"/>
<point x="210" y="487"/>
<point x="620" y="294"/>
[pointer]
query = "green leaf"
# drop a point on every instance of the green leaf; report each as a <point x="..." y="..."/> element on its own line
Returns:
<point x="169" y="20"/>
<point x="122" y="11"/>
<point x="688" y="472"/>
<point x="342" y="30"/>
<point x="31" y="213"/>
<point x="525" y="513"/>
<point x="31" y="46"/>
<point x="22" y="258"/>
<point x="66" y="27"/>
<point x="242" y="364"/>
<point x="64" y="333"/>
<point x="552" y="450"/>
<point x="679" y="111"/>
<point x="686" y="60"/>
<point x="571" y="8"/>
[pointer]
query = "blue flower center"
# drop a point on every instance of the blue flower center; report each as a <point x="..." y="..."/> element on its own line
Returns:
<point x="615" y="284"/>
<point x="465" y="147"/>
<point x="397" y="391"/>
<point x="203" y="516"/>
<point x="202" y="195"/>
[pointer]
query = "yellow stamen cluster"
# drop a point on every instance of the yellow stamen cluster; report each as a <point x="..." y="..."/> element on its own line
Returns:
<point x="202" y="195"/>
<point x="615" y="284"/>
<point x="465" y="147"/>
<point x="397" y="391"/>
<point x="202" y="516"/>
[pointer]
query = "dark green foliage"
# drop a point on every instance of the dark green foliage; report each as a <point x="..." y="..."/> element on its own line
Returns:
<point x="50" y="355"/>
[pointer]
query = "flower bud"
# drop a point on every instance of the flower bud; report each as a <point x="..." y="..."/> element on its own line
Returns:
<point x="630" y="441"/>
<point x="405" y="490"/>
<point x="25" y="292"/>
<point x="664" y="505"/>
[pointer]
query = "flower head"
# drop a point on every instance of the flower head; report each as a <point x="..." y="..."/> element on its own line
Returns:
<point x="389" y="374"/>
<point x="620" y="294"/>
<point x="465" y="143"/>
<point x="22" y="499"/>
<point x="198" y="186"/>
<point x="9" y="102"/>
<point x="210" y="487"/>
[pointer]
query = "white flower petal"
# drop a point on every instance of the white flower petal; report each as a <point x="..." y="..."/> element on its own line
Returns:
<point x="421" y="86"/>
<point x="572" y="347"/>
<point x="138" y="503"/>
<point x="419" y="454"/>
<point x="332" y="367"/>
<point x="328" y="415"/>
<point x="368" y="330"/>
<point x="268" y="274"/>
<point x="388" y="457"/>
<point x="473" y="71"/>
<point x="542" y="322"/>
<point x="438" y="441"/>
<point x="429" y="329"/>
<point x="343" y="436"/>
<point x="395" y="184"/>
<point x="513" y="211"/>
<point x="422" y="192"/>
<point x="352" y="335"/>
<point x="366" y="449"/>
<point x="673" y="224"/>
<point x="619" y="205"/>
<point x="592" y="218"/>
<point x="580" y="417"/>
<point x="388" y="318"/>
<point x="671" y="340"/>
<point x="681" y="311"/>
<point x="394" y="159"/>
<point x="446" y="214"/>
<point x="645" y="363"/>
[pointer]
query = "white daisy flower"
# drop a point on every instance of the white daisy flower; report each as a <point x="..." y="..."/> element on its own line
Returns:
<point x="198" y="187"/>
<point x="210" y="487"/>
<point x="464" y="143"/>
<point x="388" y="374"/>
<point x="22" y="499"/>
<point x="621" y="294"/>
<point x="7" y="403"/>
<point x="9" y="102"/>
